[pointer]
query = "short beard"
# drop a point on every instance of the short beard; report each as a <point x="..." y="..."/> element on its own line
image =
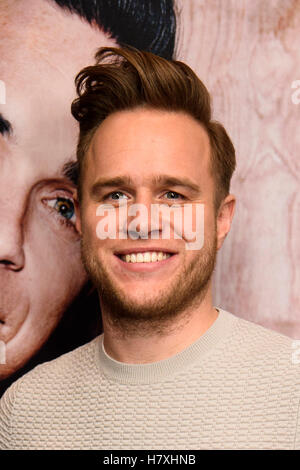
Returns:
<point x="127" y="318"/>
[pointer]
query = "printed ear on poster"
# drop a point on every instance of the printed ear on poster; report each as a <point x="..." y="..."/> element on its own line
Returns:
<point x="2" y="92"/>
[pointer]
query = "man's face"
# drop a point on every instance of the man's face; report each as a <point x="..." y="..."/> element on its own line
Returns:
<point x="148" y="157"/>
<point x="41" y="50"/>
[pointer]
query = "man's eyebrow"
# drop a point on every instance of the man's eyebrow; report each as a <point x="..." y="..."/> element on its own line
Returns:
<point x="163" y="180"/>
<point x="166" y="180"/>
<point x="70" y="171"/>
<point x="5" y="126"/>
<point x="110" y="182"/>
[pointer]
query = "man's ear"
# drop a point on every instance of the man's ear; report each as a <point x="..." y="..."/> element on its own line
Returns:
<point x="224" y="218"/>
<point x="77" y="213"/>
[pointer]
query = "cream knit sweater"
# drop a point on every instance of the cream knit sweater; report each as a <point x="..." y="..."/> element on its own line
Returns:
<point x="236" y="387"/>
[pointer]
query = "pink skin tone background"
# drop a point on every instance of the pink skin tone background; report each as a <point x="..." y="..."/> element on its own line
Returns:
<point x="38" y="65"/>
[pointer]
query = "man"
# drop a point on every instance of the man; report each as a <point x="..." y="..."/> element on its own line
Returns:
<point x="43" y="44"/>
<point x="170" y="371"/>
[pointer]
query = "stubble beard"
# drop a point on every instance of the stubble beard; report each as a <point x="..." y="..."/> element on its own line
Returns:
<point x="154" y="316"/>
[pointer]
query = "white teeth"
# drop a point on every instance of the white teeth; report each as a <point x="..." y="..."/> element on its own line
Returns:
<point x="147" y="257"/>
<point x="139" y="258"/>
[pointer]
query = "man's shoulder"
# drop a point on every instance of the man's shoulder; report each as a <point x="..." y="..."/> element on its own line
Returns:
<point x="251" y="329"/>
<point x="79" y="357"/>
<point x="64" y="370"/>
<point x="41" y="389"/>
<point x="263" y="345"/>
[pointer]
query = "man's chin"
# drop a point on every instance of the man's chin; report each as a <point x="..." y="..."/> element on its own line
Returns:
<point x="139" y="313"/>
<point x="135" y="307"/>
<point x="138" y="298"/>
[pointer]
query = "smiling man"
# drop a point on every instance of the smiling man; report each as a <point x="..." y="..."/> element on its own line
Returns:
<point x="43" y="44"/>
<point x="171" y="370"/>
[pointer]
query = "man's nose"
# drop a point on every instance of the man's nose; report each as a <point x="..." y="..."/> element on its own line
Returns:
<point x="11" y="241"/>
<point x="148" y="227"/>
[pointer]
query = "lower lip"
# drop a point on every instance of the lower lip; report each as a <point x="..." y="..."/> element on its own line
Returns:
<point x="146" y="267"/>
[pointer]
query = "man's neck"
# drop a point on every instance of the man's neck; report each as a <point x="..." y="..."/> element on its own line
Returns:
<point x="137" y="349"/>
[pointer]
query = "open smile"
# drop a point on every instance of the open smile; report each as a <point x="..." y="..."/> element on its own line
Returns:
<point x="148" y="259"/>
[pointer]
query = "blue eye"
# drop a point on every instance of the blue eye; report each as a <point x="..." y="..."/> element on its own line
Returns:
<point x="65" y="207"/>
<point x="114" y="195"/>
<point x="174" y="195"/>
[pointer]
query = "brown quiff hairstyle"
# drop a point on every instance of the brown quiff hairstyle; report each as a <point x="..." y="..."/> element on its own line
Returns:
<point x="126" y="79"/>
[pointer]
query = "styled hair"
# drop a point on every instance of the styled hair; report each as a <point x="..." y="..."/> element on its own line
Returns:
<point x="127" y="79"/>
<point x="148" y="25"/>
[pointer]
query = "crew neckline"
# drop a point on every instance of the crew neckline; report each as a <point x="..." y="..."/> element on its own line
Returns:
<point x="158" y="371"/>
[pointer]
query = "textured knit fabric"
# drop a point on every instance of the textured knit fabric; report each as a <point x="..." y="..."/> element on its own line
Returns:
<point x="236" y="387"/>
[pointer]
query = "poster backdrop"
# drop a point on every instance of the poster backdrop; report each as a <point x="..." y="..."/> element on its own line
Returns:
<point x="247" y="54"/>
<point x="47" y="306"/>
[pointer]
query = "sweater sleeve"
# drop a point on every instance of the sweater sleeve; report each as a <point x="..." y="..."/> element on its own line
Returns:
<point x="6" y="411"/>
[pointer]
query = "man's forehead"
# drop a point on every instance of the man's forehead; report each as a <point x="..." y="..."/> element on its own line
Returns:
<point x="137" y="170"/>
<point x="156" y="126"/>
<point x="158" y="136"/>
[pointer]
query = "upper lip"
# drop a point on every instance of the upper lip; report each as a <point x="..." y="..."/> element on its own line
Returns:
<point x="144" y="250"/>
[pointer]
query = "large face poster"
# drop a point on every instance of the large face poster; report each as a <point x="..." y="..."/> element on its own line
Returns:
<point x="247" y="54"/>
<point x="47" y="305"/>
